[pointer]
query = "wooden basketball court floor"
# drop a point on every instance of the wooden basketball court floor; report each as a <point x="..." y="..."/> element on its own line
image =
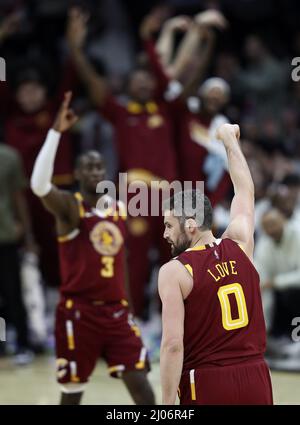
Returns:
<point x="35" y="384"/>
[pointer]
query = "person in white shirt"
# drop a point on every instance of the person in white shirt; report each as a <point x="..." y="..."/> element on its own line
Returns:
<point x="277" y="260"/>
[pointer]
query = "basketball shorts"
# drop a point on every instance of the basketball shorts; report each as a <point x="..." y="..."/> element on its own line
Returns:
<point x="239" y="384"/>
<point x="85" y="332"/>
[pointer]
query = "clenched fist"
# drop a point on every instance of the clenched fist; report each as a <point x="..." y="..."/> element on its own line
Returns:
<point x="228" y="131"/>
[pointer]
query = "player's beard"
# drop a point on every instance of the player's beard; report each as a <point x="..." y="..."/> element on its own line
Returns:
<point x="181" y="244"/>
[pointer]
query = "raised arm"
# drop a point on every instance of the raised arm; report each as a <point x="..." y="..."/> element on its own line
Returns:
<point x="60" y="203"/>
<point x="76" y="34"/>
<point x="165" y="42"/>
<point x="241" y="226"/>
<point x="196" y="49"/>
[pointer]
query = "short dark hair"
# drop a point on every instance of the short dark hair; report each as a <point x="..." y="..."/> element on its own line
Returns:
<point x="87" y="154"/>
<point x="184" y="204"/>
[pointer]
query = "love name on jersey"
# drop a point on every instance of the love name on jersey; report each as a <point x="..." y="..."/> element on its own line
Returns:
<point x="226" y="268"/>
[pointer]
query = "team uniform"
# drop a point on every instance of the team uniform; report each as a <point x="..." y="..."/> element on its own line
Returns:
<point x="224" y="329"/>
<point x="92" y="318"/>
<point x="144" y="141"/>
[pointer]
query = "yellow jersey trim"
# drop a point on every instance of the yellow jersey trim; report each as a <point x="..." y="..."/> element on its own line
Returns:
<point x="79" y="199"/>
<point x="197" y="248"/>
<point x="242" y="248"/>
<point x="69" y="236"/>
<point x="189" y="269"/>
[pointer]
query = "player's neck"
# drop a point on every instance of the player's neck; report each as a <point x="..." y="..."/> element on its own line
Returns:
<point x="205" y="238"/>
<point x="91" y="198"/>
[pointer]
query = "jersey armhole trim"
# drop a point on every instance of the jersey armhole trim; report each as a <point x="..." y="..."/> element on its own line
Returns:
<point x="189" y="269"/>
<point x="68" y="236"/>
<point x="79" y="200"/>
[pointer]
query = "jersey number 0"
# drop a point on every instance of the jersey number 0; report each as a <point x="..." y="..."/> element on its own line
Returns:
<point x="228" y="322"/>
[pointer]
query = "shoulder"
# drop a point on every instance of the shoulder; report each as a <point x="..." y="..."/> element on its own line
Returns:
<point x="246" y="248"/>
<point x="173" y="271"/>
<point x="172" y="266"/>
<point x="175" y="281"/>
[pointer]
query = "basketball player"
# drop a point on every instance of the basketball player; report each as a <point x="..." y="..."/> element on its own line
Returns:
<point x="213" y="326"/>
<point x="92" y="318"/>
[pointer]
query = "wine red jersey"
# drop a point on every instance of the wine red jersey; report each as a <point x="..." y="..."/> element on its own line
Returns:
<point x="144" y="138"/>
<point x="224" y="322"/>
<point x="92" y="256"/>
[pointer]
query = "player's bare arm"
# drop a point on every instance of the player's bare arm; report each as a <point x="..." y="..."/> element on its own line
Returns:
<point x="195" y="50"/>
<point x="60" y="203"/>
<point x="76" y="35"/>
<point x="166" y="41"/>
<point x="241" y="226"/>
<point x="172" y="286"/>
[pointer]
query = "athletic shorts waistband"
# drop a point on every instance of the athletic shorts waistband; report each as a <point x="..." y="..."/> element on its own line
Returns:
<point x="68" y="302"/>
<point x="225" y="363"/>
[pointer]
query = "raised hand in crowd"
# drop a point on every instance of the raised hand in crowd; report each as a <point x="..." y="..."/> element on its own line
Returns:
<point x="66" y="117"/>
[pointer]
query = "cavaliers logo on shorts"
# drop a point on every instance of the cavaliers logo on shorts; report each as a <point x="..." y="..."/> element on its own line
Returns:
<point x="106" y="238"/>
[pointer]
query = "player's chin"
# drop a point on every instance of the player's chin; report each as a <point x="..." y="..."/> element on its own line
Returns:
<point x="92" y="187"/>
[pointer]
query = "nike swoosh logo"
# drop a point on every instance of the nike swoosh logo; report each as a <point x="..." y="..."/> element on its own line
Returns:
<point x="118" y="314"/>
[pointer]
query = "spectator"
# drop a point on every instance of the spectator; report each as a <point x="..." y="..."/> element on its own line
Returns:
<point x="278" y="263"/>
<point x="285" y="197"/>
<point x="15" y="228"/>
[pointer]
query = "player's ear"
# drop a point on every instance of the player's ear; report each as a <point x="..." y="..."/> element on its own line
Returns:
<point x="191" y="224"/>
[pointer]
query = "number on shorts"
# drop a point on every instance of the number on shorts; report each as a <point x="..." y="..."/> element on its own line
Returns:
<point x="228" y="322"/>
<point x="108" y="266"/>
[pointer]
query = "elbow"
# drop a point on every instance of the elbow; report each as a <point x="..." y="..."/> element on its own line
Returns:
<point x="172" y="346"/>
<point x="37" y="188"/>
<point x="33" y="185"/>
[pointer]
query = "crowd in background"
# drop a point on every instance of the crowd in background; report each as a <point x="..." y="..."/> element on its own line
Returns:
<point x="119" y="52"/>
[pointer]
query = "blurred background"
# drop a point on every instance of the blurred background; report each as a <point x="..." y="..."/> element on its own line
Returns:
<point x="173" y="71"/>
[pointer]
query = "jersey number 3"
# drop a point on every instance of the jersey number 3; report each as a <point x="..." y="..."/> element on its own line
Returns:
<point x="108" y="266"/>
<point x="228" y="322"/>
